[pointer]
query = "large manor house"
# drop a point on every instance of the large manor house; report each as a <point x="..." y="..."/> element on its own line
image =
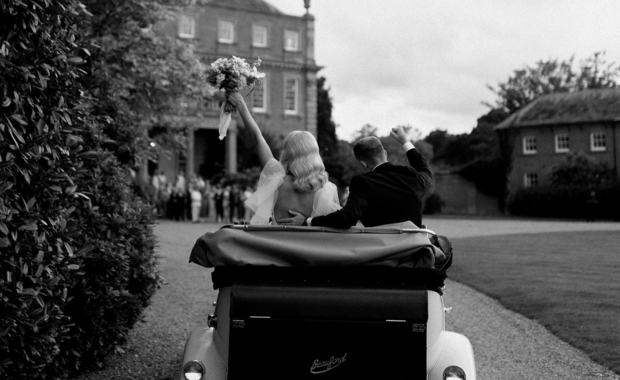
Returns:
<point x="283" y="102"/>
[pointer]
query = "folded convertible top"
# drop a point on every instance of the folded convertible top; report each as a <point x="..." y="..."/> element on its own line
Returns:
<point x="400" y="245"/>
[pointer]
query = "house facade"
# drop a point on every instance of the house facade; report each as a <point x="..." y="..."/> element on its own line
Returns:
<point x="540" y="135"/>
<point x="286" y="99"/>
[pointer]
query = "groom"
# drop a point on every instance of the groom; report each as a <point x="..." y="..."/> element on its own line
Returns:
<point x="385" y="194"/>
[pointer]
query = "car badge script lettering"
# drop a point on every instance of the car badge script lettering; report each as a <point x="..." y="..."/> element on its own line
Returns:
<point x="327" y="365"/>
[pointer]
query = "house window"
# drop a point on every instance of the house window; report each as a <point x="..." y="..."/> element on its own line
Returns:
<point x="225" y="32"/>
<point x="259" y="35"/>
<point x="259" y="97"/>
<point x="562" y="144"/>
<point x="291" y="40"/>
<point x="187" y="27"/>
<point x="529" y="145"/>
<point x="598" y="142"/>
<point x="530" y="179"/>
<point x="291" y="93"/>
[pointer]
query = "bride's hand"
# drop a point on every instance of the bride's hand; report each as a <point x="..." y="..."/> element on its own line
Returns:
<point x="235" y="99"/>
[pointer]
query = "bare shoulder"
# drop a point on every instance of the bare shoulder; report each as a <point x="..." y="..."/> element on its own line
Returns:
<point x="291" y="199"/>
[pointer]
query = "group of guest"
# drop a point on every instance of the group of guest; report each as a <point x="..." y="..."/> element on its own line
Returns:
<point x="197" y="199"/>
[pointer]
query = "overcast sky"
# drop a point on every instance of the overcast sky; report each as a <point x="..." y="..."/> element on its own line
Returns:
<point x="427" y="63"/>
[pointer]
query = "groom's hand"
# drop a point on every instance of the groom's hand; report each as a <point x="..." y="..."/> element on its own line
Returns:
<point x="399" y="135"/>
<point x="297" y="219"/>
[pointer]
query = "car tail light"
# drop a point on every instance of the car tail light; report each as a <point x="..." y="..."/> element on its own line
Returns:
<point x="193" y="370"/>
<point x="453" y="373"/>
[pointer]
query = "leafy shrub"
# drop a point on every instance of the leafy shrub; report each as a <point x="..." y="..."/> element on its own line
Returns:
<point x="579" y="169"/>
<point x="76" y="246"/>
<point x="433" y="204"/>
<point x="567" y="202"/>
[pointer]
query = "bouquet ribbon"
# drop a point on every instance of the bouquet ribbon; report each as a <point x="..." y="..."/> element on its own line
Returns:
<point x="225" y="118"/>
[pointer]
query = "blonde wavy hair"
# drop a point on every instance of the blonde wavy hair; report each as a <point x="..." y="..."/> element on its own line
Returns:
<point x="300" y="158"/>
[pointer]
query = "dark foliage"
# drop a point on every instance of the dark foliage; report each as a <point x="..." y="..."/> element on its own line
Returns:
<point x="567" y="202"/>
<point x="581" y="170"/>
<point x="433" y="204"/>
<point x="334" y="152"/>
<point x="554" y="76"/>
<point x="476" y="155"/>
<point x="76" y="246"/>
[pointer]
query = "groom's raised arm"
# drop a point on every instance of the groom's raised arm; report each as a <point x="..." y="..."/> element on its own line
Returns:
<point x="419" y="165"/>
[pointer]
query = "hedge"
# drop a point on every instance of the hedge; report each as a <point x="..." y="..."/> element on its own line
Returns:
<point x="77" y="263"/>
<point x="567" y="202"/>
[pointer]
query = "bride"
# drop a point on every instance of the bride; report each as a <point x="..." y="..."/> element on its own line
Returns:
<point x="298" y="181"/>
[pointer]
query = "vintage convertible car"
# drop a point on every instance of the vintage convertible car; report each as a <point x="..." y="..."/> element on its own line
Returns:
<point x="317" y="303"/>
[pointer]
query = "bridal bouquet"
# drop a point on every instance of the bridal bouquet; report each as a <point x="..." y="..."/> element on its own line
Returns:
<point x="232" y="75"/>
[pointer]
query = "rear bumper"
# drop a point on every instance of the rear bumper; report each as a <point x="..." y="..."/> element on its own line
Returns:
<point x="456" y="350"/>
<point x="200" y="347"/>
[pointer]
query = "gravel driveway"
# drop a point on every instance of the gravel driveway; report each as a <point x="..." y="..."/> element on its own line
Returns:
<point x="507" y="345"/>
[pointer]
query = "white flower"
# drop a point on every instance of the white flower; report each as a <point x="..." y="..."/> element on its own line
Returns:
<point x="257" y="75"/>
<point x="220" y="77"/>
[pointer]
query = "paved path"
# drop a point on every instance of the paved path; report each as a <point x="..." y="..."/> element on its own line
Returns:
<point x="507" y="345"/>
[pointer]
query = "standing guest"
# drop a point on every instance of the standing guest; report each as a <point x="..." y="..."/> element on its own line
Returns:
<point x="205" y="210"/>
<point x="177" y="204"/>
<point x="166" y="194"/>
<point x="232" y="203"/>
<point x="196" y="202"/>
<point x="218" y="197"/>
<point x="240" y="204"/>
<point x="156" y="187"/>
<point x="178" y="197"/>
<point x="247" y="211"/>
<point x="591" y="207"/>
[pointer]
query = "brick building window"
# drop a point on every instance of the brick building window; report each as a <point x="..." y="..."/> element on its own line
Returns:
<point x="529" y="145"/>
<point x="259" y="97"/>
<point x="291" y="40"/>
<point x="225" y="31"/>
<point x="562" y="144"/>
<point x="187" y="27"/>
<point x="598" y="142"/>
<point x="291" y="95"/>
<point x="259" y="35"/>
<point x="530" y="179"/>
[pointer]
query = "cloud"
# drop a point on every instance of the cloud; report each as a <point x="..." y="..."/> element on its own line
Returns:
<point x="427" y="63"/>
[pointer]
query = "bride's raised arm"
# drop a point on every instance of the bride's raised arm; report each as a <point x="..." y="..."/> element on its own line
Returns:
<point x="264" y="153"/>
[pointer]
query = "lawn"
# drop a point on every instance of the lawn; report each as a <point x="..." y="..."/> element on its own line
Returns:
<point x="569" y="282"/>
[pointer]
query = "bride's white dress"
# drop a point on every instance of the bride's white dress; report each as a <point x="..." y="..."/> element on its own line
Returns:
<point x="264" y="198"/>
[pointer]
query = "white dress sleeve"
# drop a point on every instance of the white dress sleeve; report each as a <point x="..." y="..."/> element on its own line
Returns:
<point x="326" y="200"/>
<point x="264" y="198"/>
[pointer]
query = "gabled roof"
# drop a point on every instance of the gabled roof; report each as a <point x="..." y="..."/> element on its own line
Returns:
<point x="248" y="5"/>
<point x="585" y="106"/>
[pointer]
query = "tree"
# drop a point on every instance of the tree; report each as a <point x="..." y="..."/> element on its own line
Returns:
<point x="326" y="128"/>
<point x="78" y="89"/>
<point x="142" y="78"/>
<point x="580" y="170"/>
<point x="474" y="155"/>
<point x="366" y="131"/>
<point x="329" y="145"/>
<point x="553" y="76"/>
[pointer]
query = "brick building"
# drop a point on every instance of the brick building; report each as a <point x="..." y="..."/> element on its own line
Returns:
<point x="541" y="134"/>
<point x="285" y="101"/>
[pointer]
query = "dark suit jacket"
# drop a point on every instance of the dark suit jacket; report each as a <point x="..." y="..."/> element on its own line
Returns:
<point x="388" y="194"/>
